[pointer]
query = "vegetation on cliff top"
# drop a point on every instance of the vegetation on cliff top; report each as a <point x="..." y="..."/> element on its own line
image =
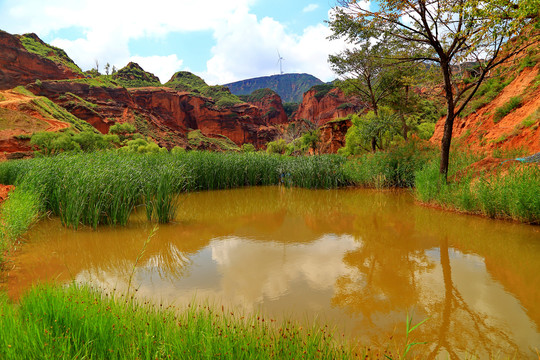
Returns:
<point x="257" y="95"/>
<point x="32" y="43"/>
<point x="186" y="81"/>
<point x="132" y="75"/>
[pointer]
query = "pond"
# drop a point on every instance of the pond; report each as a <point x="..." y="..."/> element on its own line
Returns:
<point x="356" y="259"/>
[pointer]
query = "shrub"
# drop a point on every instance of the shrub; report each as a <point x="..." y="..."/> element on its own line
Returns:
<point x="276" y="147"/>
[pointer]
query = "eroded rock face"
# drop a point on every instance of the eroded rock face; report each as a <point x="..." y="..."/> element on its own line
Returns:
<point x="20" y="67"/>
<point x="272" y="110"/>
<point x="332" y="136"/>
<point x="331" y="106"/>
<point x="167" y="114"/>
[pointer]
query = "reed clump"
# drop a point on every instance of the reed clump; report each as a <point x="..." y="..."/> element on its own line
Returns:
<point x="509" y="193"/>
<point x="104" y="187"/>
<point x="78" y="322"/>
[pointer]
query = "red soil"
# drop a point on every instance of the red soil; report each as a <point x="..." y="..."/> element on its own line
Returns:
<point x="4" y="190"/>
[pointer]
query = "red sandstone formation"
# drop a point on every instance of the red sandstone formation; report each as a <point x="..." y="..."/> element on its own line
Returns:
<point x="331" y="106"/>
<point x="4" y="190"/>
<point x="165" y="114"/>
<point x="272" y="109"/>
<point x="20" y="67"/>
<point x="332" y="136"/>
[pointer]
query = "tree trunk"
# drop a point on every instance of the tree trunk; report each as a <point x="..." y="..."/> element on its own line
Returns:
<point x="449" y="123"/>
<point x="373" y="144"/>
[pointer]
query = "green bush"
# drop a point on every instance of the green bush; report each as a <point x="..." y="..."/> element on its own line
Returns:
<point x="276" y="147"/>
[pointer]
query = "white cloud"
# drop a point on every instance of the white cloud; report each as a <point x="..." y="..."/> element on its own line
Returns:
<point x="246" y="47"/>
<point x="310" y="8"/>
<point x="161" y="66"/>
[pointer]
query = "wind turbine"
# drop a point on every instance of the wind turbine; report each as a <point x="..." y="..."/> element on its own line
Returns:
<point x="280" y="61"/>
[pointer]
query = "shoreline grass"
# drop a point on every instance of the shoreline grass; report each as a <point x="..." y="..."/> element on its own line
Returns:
<point x="105" y="186"/>
<point x="504" y="194"/>
<point x="74" y="321"/>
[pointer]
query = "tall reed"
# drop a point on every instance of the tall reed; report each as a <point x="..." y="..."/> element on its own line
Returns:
<point x="104" y="187"/>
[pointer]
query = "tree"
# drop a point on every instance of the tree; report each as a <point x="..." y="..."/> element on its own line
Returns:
<point x="445" y="33"/>
<point x="364" y="72"/>
<point x="107" y="68"/>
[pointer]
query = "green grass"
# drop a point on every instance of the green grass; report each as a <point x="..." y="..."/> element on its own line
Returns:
<point x="78" y="322"/>
<point x="530" y="120"/>
<point x="104" y="187"/>
<point x="393" y="168"/>
<point x="17" y="214"/>
<point x="507" y="108"/>
<point x="510" y="194"/>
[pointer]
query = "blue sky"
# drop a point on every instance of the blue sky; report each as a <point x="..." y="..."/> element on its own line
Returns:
<point x="219" y="40"/>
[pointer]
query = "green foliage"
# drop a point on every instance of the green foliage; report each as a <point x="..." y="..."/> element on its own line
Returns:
<point x="368" y="128"/>
<point x="322" y="90"/>
<point x="132" y="75"/>
<point x="529" y="61"/>
<point x="393" y="168"/>
<point x="257" y="95"/>
<point x="276" y="147"/>
<point x="34" y="45"/>
<point x="123" y="130"/>
<point x="177" y="150"/>
<point x="507" y="108"/>
<point x="247" y="148"/>
<point x="17" y="214"/>
<point x="425" y="130"/>
<point x="290" y="108"/>
<point x="141" y="146"/>
<point x="79" y="322"/>
<point x="52" y="143"/>
<point x="505" y="195"/>
<point x="103" y="81"/>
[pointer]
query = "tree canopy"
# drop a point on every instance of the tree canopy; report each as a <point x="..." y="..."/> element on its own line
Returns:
<point x="443" y="34"/>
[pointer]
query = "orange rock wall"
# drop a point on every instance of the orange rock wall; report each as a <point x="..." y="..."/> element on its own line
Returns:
<point x="327" y="108"/>
<point x="20" y="67"/>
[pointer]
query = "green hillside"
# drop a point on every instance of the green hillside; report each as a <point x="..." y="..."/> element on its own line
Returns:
<point x="290" y="87"/>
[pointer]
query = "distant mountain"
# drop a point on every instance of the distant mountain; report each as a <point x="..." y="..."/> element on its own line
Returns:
<point x="290" y="87"/>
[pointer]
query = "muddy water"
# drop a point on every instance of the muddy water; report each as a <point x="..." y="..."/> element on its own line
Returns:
<point x="360" y="260"/>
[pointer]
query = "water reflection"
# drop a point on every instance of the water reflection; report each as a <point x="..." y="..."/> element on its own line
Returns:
<point x="356" y="258"/>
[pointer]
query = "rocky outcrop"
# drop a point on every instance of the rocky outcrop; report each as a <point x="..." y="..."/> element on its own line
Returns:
<point x="20" y="67"/>
<point x="332" y="136"/>
<point x="320" y="107"/>
<point x="162" y="113"/>
<point x="270" y="105"/>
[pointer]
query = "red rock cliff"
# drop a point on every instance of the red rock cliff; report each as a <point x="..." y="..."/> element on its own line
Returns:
<point x="332" y="136"/>
<point x="331" y="106"/>
<point x="20" y="67"/>
<point x="272" y="109"/>
<point x="162" y="113"/>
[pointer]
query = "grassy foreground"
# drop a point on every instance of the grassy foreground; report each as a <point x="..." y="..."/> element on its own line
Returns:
<point x="78" y="322"/>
